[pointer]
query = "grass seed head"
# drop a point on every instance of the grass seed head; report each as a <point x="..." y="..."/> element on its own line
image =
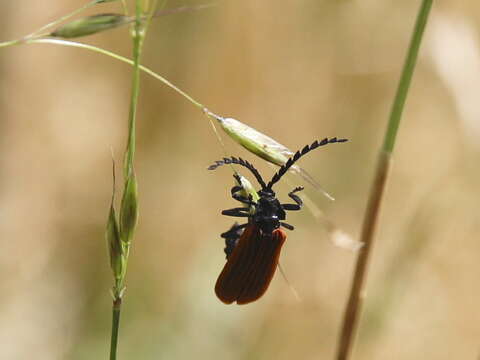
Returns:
<point x="129" y="209"/>
<point x="264" y="147"/>
<point x="115" y="248"/>
<point x="255" y="141"/>
<point x="90" y="25"/>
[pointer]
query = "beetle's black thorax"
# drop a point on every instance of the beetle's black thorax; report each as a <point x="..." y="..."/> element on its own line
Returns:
<point x="268" y="212"/>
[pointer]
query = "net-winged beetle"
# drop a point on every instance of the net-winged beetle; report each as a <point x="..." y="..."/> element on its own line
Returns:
<point x="252" y="255"/>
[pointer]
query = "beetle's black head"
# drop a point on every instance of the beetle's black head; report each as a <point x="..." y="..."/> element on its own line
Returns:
<point x="268" y="212"/>
<point x="266" y="193"/>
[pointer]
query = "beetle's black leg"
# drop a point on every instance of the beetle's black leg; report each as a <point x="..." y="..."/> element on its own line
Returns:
<point x="295" y="198"/>
<point x="243" y="199"/>
<point x="291" y="207"/>
<point x="230" y="244"/>
<point x="287" y="226"/>
<point x="235" y="189"/>
<point x="238" y="188"/>
<point x="235" y="194"/>
<point x="238" y="212"/>
<point x="231" y="238"/>
<point x="233" y="232"/>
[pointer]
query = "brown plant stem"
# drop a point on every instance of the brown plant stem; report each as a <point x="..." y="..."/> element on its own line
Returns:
<point x="357" y="293"/>
<point x="357" y="290"/>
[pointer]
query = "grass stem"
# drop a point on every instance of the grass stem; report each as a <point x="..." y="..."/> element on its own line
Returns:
<point x="406" y="78"/>
<point x="116" y="308"/>
<point x="129" y="200"/>
<point x="138" y="36"/>
<point x="357" y="290"/>
<point x="11" y="42"/>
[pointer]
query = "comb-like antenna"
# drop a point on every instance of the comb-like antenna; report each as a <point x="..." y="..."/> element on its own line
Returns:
<point x="239" y="161"/>
<point x="284" y="168"/>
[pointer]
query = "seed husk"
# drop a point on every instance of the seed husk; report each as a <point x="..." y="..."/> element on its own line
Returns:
<point x="90" y="25"/>
<point x="265" y="147"/>
<point x="129" y="209"/>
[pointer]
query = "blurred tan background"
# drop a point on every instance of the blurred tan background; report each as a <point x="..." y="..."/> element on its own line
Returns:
<point x="297" y="70"/>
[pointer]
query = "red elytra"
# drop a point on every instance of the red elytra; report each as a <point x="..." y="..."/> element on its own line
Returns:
<point x="250" y="268"/>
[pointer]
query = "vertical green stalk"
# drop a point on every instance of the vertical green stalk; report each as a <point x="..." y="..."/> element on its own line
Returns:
<point x="117" y="303"/>
<point x="138" y="35"/>
<point x="354" y="305"/>
<point x="128" y="212"/>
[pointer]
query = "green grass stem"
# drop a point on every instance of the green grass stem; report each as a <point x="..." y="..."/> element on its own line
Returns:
<point x="406" y="78"/>
<point x="116" y="308"/>
<point x="138" y="35"/>
<point x="357" y="290"/>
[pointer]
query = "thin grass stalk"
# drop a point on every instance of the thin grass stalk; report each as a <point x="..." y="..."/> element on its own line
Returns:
<point x="357" y="290"/>
<point x="137" y="49"/>
<point x="138" y="34"/>
<point x="39" y="33"/>
<point x="118" y="57"/>
<point x="117" y="304"/>
<point x="61" y="19"/>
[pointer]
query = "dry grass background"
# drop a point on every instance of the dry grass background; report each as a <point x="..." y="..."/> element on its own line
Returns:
<point x="298" y="70"/>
